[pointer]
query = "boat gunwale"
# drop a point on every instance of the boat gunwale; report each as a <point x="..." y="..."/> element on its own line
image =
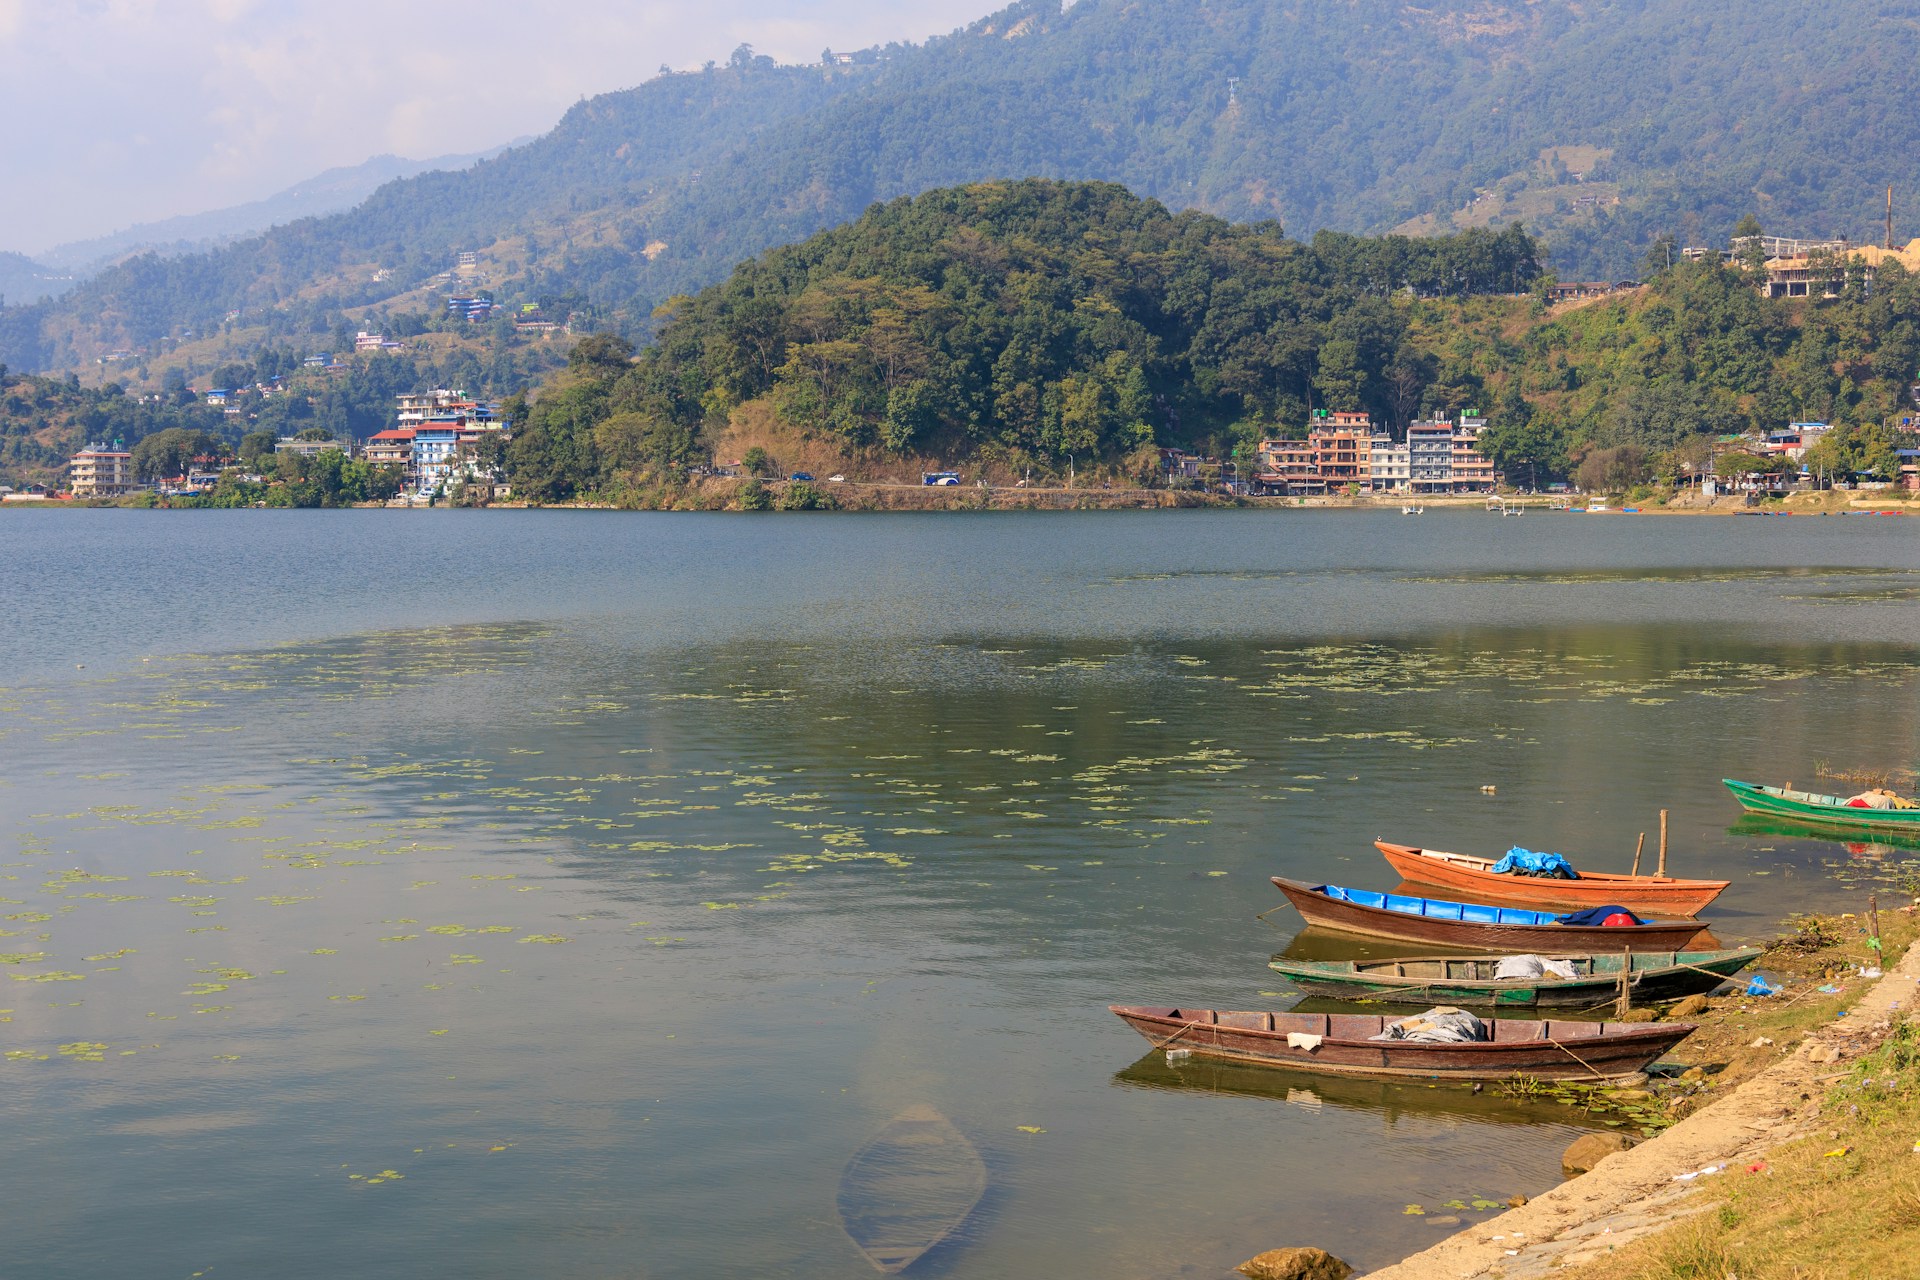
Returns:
<point x="1354" y="969"/>
<point x="1473" y="863"/>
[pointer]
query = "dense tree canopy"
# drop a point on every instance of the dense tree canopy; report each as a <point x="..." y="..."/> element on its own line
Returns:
<point x="1030" y="318"/>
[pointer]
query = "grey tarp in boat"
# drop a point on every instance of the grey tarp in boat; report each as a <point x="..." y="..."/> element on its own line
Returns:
<point x="1441" y="1025"/>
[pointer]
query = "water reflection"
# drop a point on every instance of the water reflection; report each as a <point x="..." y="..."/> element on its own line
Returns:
<point x="1384" y="1101"/>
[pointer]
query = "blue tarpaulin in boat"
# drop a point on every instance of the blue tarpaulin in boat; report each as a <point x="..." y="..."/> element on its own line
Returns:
<point x="1598" y="915"/>
<point x="1525" y="862"/>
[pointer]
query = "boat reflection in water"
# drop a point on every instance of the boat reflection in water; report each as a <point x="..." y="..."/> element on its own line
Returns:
<point x="1391" y="1100"/>
<point x="1882" y="844"/>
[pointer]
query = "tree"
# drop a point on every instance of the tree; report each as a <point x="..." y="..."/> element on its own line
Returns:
<point x="1738" y="465"/>
<point x="1613" y="470"/>
<point x="1851" y="450"/>
<point x="170" y="452"/>
<point x="257" y="447"/>
<point x="638" y="443"/>
<point x="757" y="462"/>
<point x="1660" y="255"/>
<point x="601" y="353"/>
<point x="1517" y="438"/>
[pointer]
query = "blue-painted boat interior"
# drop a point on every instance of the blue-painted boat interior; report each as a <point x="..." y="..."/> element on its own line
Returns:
<point x="1437" y="908"/>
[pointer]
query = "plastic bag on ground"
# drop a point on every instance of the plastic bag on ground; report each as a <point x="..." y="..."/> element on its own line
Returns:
<point x="1441" y="1025"/>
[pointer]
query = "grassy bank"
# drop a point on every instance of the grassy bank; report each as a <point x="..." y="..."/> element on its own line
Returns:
<point x="1842" y="1201"/>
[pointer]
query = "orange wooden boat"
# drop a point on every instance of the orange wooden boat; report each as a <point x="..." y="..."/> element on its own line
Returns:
<point x="1661" y="895"/>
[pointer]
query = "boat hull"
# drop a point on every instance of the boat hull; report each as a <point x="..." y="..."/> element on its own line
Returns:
<point x="1462" y="980"/>
<point x="910" y="1188"/>
<point x="1378" y="922"/>
<point x="1657" y="895"/>
<point x="1822" y="811"/>
<point x="1584" y="1051"/>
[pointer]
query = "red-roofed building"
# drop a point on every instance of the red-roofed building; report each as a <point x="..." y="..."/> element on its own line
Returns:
<point x="390" y="448"/>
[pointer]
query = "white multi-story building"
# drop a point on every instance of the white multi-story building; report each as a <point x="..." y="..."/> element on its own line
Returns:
<point x="102" y="470"/>
<point x="1389" y="465"/>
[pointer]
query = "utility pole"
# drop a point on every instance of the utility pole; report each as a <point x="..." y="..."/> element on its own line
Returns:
<point x="1889" y="243"/>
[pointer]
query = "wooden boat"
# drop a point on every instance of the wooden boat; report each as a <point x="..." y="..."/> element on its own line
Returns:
<point x="1341" y="1044"/>
<point x="1821" y="810"/>
<point x="1469" y="980"/>
<point x="909" y="1188"/>
<point x="1471" y="924"/>
<point x="1662" y="895"/>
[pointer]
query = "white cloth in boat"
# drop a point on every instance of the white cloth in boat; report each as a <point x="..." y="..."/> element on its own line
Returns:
<point x="1301" y="1040"/>
<point x="1531" y="967"/>
<point x="1442" y="1025"/>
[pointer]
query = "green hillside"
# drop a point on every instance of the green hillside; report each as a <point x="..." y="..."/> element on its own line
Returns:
<point x="1603" y="123"/>
<point x="1022" y="325"/>
<point x="1027" y="323"/>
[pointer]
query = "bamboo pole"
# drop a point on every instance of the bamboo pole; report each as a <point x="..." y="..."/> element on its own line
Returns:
<point x="1662" y="872"/>
<point x="1636" y="852"/>
<point x="1625" y="1000"/>
<point x="1873" y="922"/>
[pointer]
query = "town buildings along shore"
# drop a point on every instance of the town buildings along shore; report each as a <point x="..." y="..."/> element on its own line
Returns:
<point x="1346" y="452"/>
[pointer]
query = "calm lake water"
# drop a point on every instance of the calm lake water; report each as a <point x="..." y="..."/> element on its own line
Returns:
<point x="426" y="894"/>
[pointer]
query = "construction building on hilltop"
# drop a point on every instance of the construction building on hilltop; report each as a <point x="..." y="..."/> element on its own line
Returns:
<point x="1812" y="268"/>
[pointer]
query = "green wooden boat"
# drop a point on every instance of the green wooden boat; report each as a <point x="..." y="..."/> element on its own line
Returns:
<point x="1469" y="980"/>
<point x="1822" y="810"/>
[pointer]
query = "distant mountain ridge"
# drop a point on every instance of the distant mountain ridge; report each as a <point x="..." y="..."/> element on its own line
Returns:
<point x="1602" y="124"/>
<point x="24" y="280"/>
<point x="332" y="191"/>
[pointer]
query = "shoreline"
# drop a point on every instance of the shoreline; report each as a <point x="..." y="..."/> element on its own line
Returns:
<point x="857" y="496"/>
<point x="1640" y="1192"/>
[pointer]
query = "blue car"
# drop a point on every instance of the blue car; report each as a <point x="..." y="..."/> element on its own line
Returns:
<point x="801" y="475"/>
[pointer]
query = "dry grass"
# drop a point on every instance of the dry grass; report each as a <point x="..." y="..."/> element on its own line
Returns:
<point x="1844" y="1202"/>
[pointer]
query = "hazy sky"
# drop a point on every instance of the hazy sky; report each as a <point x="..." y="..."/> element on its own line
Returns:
<point x="124" y="111"/>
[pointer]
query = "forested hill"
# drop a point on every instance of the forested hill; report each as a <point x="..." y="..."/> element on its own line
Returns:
<point x="1601" y="124"/>
<point x="1020" y="321"/>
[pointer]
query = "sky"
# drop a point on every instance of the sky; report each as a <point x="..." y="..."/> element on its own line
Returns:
<point x="127" y="111"/>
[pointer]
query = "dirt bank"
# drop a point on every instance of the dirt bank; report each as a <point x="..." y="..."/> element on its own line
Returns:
<point x="1584" y="1222"/>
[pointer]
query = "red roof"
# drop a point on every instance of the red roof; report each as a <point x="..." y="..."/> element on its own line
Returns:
<point x="404" y="434"/>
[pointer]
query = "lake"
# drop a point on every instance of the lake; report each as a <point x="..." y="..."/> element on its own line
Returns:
<point x="489" y="894"/>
